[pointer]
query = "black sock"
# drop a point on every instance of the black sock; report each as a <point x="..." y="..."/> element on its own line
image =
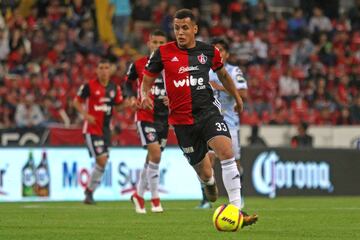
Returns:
<point x="203" y="194"/>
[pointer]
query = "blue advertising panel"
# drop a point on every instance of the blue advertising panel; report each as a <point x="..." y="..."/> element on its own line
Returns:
<point x="63" y="175"/>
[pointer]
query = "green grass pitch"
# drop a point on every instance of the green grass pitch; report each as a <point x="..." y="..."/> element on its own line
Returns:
<point x="281" y="218"/>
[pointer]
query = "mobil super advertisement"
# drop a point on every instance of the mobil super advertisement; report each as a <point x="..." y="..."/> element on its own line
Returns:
<point x="61" y="174"/>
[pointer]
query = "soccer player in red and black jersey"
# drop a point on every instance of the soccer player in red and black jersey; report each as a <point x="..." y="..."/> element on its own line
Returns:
<point x="194" y="112"/>
<point x="101" y="96"/>
<point x="152" y="127"/>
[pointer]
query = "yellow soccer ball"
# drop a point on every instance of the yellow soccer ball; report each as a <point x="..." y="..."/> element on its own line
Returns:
<point x="228" y="218"/>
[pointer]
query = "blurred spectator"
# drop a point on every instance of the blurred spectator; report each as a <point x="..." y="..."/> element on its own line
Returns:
<point x="242" y="48"/>
<point x="297" y="25"/>
<point x="322" y="98"/>
<point x="261" y="48"/>
<point x="316" y="68"/>
<point x="121" y="14"/>
<point x="343" y="24"/>
<point x="16" y="20"/>
<point x="307" y="6"/>
<point x="142" y="13"/>
<point x="331" y="8"/>
<point x="54" y="112"/>
<point x="141" y="23"/>
<point x="200" y="19"/>
<point x="302" y="139"/>
<point x="309" y="90"/>
<point x="191" y="4"/>
<point x="203" y="35"/>
<point x="72" y="113"/>
<point x="319" y="22"/>
<point x="236" y="9"/>
<point x="39" y="45"/>
<point x="289" y="87"/>
<point x="254" y="139"/>
<point x="167" y="21"/>
<point x="216" y="21"/>
<point x="260" y="15"/>
<point x="160" y="12"/>
<point x="28" y="113"/>
<point x="31" y="20"/>
<point x="17" y="40"/>
<point x="344" y="117"/>
<point x="326" y="117"/>
<point x="259" y="100"/>
<point x="325" y="51"/>
<point x="354" y="15"/>
<point x="355" y="110"/>
<point x="299" y="106"/>
<point x="77" y="11"/>
<point x="4" y="43"/>
<point x="300" y="55"/>
<point x="87" y="39"/>
<point x="342" y="94"/>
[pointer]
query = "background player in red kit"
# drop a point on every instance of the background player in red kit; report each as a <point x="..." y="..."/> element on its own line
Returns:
<point x="194" y="112"/>
<point x="101" y="96"/>
<point x="152" y="127"/>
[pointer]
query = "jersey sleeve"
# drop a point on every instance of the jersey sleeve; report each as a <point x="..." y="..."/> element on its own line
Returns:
<point x="83" y="92"/>
<point x="154" y="66"/>
<point x="239" y="79"/>
<point x="130" y="81"/>
<point x="118" y="97"/>
<point x="132" y="74"/>
<point x="213" y="76"/>
<point x="217" y="61"/>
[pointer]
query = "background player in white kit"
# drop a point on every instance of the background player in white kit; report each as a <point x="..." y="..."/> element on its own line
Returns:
<point x="227" y="106"/>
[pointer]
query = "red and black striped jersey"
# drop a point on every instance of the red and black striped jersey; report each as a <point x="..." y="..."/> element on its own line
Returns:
<point x="160" y="112"/>
<point x="186" y="76"/>
<point x="100" y="101"/>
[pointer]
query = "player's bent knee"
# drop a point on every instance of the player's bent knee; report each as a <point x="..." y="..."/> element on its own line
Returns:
<point x="102" y="159"/>
<point x="225" y="154"/>
<point x="155" y="159"/>
<point x="154" y="154"/>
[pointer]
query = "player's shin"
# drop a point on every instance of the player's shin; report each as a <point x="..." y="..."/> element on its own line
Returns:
<point x="95" y="177"/>
<point x="153" y="176"/>
<point x="209" y="187"/>
<point x="143" y="183"/>
<point x="231" y="179"/>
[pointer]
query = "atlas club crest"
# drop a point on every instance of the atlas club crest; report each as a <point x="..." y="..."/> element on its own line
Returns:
<point x="202" y="58"/>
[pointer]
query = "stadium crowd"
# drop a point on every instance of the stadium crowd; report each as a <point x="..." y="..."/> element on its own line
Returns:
<point x="300" y="65"/>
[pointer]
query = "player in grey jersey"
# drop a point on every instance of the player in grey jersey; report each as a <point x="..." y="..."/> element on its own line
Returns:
<point x="231" y="117"/>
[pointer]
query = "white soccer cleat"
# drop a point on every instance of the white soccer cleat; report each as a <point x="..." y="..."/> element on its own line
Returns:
<point x="156" y="206"/>
<point x="139" y="203"/>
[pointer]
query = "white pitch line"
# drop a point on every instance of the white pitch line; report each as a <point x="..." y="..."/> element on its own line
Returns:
<point x="187" y="209"/>
<point x="91" y="207"/>
<point x="308" y="209"/>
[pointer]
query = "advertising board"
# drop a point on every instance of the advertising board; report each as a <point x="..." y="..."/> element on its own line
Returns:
<point x="63" y="175"/>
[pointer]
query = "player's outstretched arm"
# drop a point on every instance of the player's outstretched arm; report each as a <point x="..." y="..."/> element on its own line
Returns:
<point x="216" y="86"/>
<point x="229" y="85"/>
<point x="146" y="101"/>
<point x="243" y="94"/>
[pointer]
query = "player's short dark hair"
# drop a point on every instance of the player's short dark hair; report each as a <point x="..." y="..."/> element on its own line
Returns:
<point x="222" y="42"/>
<point x="158" y="32"/>
<point x="104" y="60"/>
<point x="185" y="13"/>
<point x="304" y="125"/>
